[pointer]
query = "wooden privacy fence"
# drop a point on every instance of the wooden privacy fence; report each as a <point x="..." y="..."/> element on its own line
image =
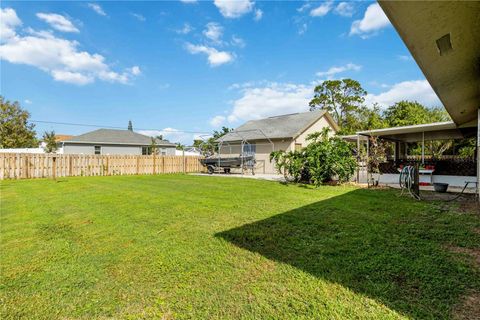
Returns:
<point x="26" y="166"/>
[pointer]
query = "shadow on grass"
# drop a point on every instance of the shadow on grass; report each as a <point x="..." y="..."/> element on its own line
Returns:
<point x="388" y="248"/>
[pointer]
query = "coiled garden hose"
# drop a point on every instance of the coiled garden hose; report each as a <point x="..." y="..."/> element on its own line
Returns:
<point x="406" y="181"/>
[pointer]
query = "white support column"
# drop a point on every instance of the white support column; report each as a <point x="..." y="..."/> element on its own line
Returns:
<point x="367" y="161"/>
<point x="423" y="147"/>
<point x="358" y="158"/>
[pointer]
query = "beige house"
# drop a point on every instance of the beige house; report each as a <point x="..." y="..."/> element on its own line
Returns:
<point x="285" y="132"/>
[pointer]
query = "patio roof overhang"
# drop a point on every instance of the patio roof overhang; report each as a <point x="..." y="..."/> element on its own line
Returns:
<point x="415" y="133"/>
<point x="443" y="38"/>
<point x="430" y="131"/>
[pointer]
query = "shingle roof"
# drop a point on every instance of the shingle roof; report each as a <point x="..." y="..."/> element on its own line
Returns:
<point x="112" y="136"/>
<point x="284" y="126"/>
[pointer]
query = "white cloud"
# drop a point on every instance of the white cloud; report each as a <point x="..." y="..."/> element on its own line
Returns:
<point x="138" y="16"/>
<point x="344" y="9"/>
<point x="238" y="42"/>
<point x="59" y="57"/>
<point x="234" y="8"/>
<point x="215" y="57"/>
<point x="335" y="70"/>
<point x="135" y="70"/>
<point x="302" y="28"/>
<point x="419" y="90"/>
<point x="96" y="7"/>
<point x="185" y="29"/>
<point x="258" y="15"/>
<point x="8" y="22"/>
<point x="214" y="32"/>
<point x="27" y="101"/>
<point x="217" y="121"/>
<point x="188" y="1"/>
<point x="58" y="22"/>
<point x="304" y="7"/>
<point x="373" y="21"/>
<point x="322" y="9"/>
<point x="269" y="100"/>
<point x="265" y="99"/>
<point x="71" y="77"/>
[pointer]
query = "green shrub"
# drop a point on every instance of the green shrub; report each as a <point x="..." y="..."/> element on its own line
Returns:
<point x="291" y="163"/>
<point x="323" y="160"/>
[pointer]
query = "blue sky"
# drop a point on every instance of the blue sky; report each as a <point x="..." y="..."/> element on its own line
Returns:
<point x="194" y="66"/>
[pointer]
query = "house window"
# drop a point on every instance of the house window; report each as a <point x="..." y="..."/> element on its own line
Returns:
<point x="145" y="151"/>
<point x="298" y="146"/>
<point x="98" y="149"/>
<point x="164" y="151"/>
<point x="249" y="149"/>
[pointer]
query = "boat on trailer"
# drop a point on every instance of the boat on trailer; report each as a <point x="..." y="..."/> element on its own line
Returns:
<point x="217" y="163"/>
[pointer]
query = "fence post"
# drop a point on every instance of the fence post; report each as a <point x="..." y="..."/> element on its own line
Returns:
<point x="27" y="165"/>
<point x="154" y="163"/>
<point x="54" y="167"/>
<point x="138" y="163"/>
<point x="183" y="161"/>
<point x="107" y="173"/>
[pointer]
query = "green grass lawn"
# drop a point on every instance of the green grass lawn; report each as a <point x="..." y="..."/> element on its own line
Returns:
<point x="181" y="247"/>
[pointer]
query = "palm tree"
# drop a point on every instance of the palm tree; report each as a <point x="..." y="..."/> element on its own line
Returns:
<point x="50" y="142"/>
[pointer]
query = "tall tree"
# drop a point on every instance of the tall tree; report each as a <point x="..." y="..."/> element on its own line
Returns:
<point x="15" y="131"/>
<point x="180" y="146"/>
<point x="210" y="146"/>
<point x="405" y="113"/>
<point x="343" y="99"/>
<point x="372" y="118"/>
<point x="221" y="133"/>
<point x="130" y="126"/>
<point x="50" y="142"/>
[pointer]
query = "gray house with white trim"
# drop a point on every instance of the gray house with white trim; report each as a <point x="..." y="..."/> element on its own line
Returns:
<point x="115" y="142"/>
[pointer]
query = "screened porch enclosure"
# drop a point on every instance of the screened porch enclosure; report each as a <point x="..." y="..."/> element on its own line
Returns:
<point x="434" y="147"/>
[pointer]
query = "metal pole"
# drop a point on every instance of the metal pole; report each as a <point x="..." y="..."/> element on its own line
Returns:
<point x="423" y="147"/>
<point x="241" y="155"/>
